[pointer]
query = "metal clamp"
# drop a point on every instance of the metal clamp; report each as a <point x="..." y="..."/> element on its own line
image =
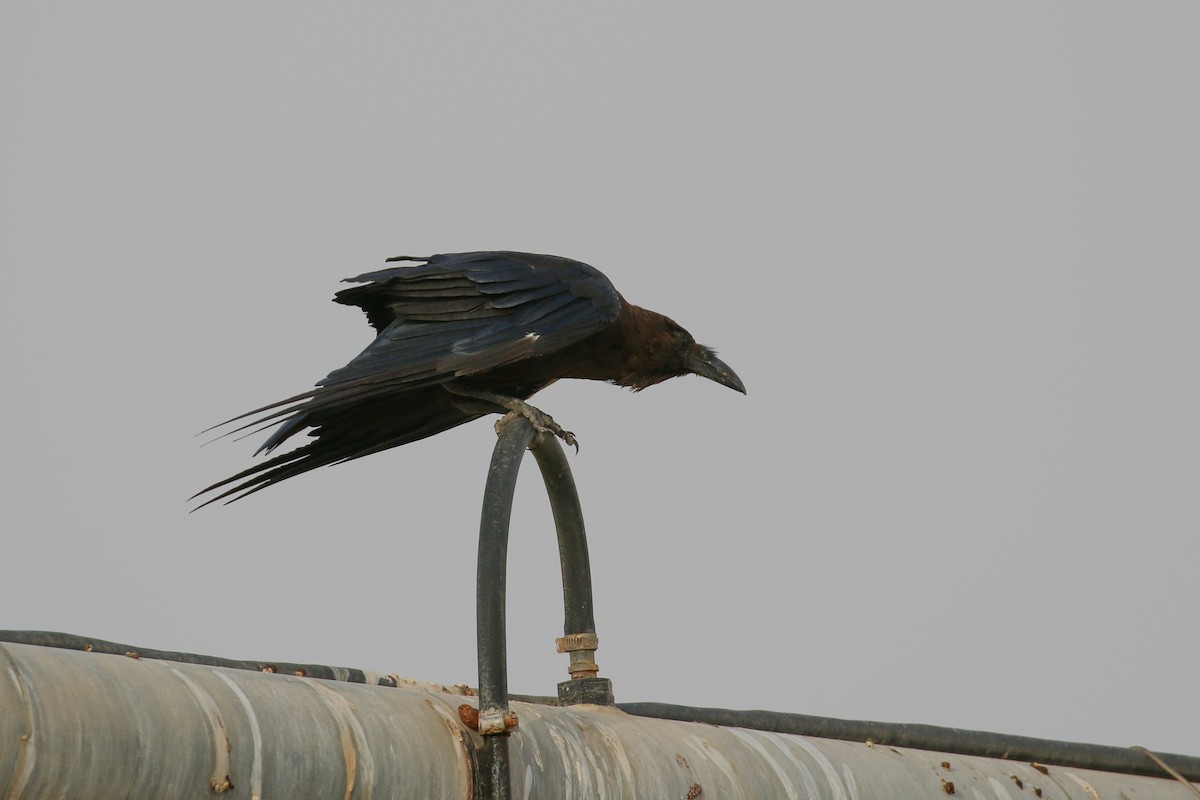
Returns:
<point x="495" y="721"/>
<point x="582" y="648"/>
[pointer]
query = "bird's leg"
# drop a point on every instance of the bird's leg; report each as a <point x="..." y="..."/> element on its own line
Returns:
<point x="540" y="420"/>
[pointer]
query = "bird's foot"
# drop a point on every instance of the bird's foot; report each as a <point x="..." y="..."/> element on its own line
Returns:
<point x="541" y="421"/>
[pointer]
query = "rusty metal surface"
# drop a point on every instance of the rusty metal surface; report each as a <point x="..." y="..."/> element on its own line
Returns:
<point x="595" y="751"/>
<point x="88" y="725"/>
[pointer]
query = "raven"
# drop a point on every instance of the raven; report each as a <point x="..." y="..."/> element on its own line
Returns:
<point x="461" y="335"/>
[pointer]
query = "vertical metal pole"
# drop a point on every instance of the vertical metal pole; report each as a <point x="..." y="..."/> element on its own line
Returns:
<point x="494" y="717"/>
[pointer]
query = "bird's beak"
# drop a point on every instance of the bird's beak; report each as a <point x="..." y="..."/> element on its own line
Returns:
<point x="707" y="365"/>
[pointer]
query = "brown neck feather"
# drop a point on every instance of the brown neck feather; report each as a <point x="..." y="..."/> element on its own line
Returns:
<point x="635" y="351"/>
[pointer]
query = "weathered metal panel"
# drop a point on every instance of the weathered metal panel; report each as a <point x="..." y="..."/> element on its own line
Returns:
<point x="594" y="751"/>
<point x="85" y="725"/>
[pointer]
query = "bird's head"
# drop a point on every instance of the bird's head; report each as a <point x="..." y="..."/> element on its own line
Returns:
<point x="671" y="351"/>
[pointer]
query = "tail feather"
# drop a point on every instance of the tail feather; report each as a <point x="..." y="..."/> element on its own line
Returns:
<point x="346" y="431"/>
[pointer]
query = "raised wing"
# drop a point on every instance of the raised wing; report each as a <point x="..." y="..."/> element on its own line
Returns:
<point x="438" y="319"/>
<point x="462" y="314"/>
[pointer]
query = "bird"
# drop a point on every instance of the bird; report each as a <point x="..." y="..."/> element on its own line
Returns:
<point x="460" y="336"/>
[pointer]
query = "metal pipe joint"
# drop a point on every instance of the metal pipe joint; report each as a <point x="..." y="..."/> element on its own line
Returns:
<point x="494" y="721"/>
<point x="582" y="649"/>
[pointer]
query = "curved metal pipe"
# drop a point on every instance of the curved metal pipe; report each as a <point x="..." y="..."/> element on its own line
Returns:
<point x="579" y="626"/>
<point x="490" y="592"/>
<point x="579" y="638"/>
<point x="572" y="540"/>
<point x="984" y="744"/>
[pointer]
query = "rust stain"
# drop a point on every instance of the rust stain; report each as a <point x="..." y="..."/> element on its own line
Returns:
<point x="1042" y="768"/>
<point x="945" y="765"/>
<point x="469" y="716"/>
<point x="1037" y="791"/>
<point x="465" y="746"/>
<point x="133" y="654"/>
<point x="219" y="780"/>
<point x="25" y="750"/>
<point x="1017" y="781"/>
<point x="694" y="792"/>
<point x="351" y="757"/>
<point x="947" y="786"/>
<point x="1087" y="787"/>
<point x="356" y="750"/>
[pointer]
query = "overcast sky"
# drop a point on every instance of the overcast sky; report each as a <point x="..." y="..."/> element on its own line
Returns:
<point x="951" y="249"/>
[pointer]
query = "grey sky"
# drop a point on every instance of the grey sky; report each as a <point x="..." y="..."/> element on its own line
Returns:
<point x="951" y="249"/>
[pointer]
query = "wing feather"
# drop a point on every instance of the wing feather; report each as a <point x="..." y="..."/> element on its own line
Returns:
<point x="439" y="319"/>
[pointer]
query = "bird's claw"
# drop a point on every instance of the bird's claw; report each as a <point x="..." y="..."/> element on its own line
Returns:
<point x="542" y="423"/>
